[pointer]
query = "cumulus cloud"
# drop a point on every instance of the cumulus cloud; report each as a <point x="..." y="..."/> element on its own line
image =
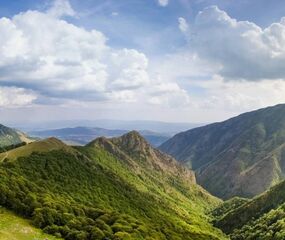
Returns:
<point x="168" y="93"/>
<point x="239" y="49"/>
<point x="182" y="24"/>
<point x="14" y="97"/>
<point x="163" y="3"/>
<point x="42" y="52"/>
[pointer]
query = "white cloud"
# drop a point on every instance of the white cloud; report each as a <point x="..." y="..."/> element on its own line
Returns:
<point x="169" y="94"/>
<point x="240" y="49"/>
<point x="163" y="3"/>
<point x="14" y="97"/>
<point x="61" y="8"/>
<point x="239" y="96"/>
<point x="182" y="24"/>
<point x="44" y="53"/>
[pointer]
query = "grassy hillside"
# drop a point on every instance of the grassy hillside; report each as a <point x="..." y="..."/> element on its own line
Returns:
<point x="243" y="156"/>
<point x="38" y="146"/>
<point x="13" y="227"/>
<point x="260" y="218"/>
<point x="116" y="189"/>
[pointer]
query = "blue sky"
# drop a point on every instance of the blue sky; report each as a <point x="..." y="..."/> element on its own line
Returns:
<point x="184" y="60"/>
<point x="140" y="19"/>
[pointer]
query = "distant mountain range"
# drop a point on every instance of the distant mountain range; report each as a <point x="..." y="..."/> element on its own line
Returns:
<point x="139" y="125"/>
<point x="83" y="135"/>
<point x="242" y="156"/>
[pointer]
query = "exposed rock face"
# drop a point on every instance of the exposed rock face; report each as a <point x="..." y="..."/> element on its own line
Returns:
<point x="134" y="149"/>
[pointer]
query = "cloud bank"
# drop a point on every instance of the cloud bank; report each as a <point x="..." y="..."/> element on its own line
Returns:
<point x="42" y="52"/>
<point x="240" y="49"/>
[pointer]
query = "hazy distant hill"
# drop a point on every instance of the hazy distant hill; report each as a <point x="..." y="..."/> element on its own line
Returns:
<point x="139" y="125"/>
<point x="83" y="135"/>
<point x="242" y="156"/>
<point x="118" y="188"/>
<point x="9" y="136"/>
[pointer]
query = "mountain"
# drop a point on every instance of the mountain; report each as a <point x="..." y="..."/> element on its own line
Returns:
<point x="117" y="188"/>
<point x="260" y="218"/>
<point x="83" y="135"/>
<point x="242" y="156"/>
<point x="9" y="136"/>
<point x="128" y="125"/>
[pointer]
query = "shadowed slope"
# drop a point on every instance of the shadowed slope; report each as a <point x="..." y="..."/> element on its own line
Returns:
<point x="242" y="156"/>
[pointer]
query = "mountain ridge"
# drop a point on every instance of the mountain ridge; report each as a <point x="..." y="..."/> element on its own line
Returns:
<point x="234" y="157"/>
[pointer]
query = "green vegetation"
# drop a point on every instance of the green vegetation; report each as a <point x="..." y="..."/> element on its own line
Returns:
<point x="227" y="206"/>
<point x="243" y="156"/>
<point x="270" y="226"/>
<point x="13" y="227"/>
<point x="13" y="146"/>
<point x="260" y="218"/>
<point x="253" y="209"/>
<point x="110" y="189"/>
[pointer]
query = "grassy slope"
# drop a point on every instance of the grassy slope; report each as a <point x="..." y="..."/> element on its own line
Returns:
<point x="142" y="204"/>
<point x="13" y="227"/>
<point x="38" y="146"/>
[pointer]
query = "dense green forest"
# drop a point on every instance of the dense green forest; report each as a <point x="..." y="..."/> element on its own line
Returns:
<point x="105" y="190"/>
<point x="259" y="218"/>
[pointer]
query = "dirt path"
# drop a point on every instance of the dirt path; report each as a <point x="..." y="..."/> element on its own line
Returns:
<point x="5" y="156"/>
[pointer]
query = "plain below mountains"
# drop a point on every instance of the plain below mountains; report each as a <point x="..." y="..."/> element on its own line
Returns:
<point x="83" y="135"/>
<point x="112" y="188"/>
<point x="242" y="156"/>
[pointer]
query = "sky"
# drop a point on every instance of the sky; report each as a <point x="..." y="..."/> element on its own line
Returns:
<point x="195" y="61"/>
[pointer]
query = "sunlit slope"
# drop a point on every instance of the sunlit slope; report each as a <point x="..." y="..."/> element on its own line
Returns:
<point x="117" y="189"/>
<point x="37" y="146"/>
<point x="13" y="227"/>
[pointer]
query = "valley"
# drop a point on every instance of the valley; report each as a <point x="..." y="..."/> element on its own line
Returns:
<point x="142" y="120"/>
